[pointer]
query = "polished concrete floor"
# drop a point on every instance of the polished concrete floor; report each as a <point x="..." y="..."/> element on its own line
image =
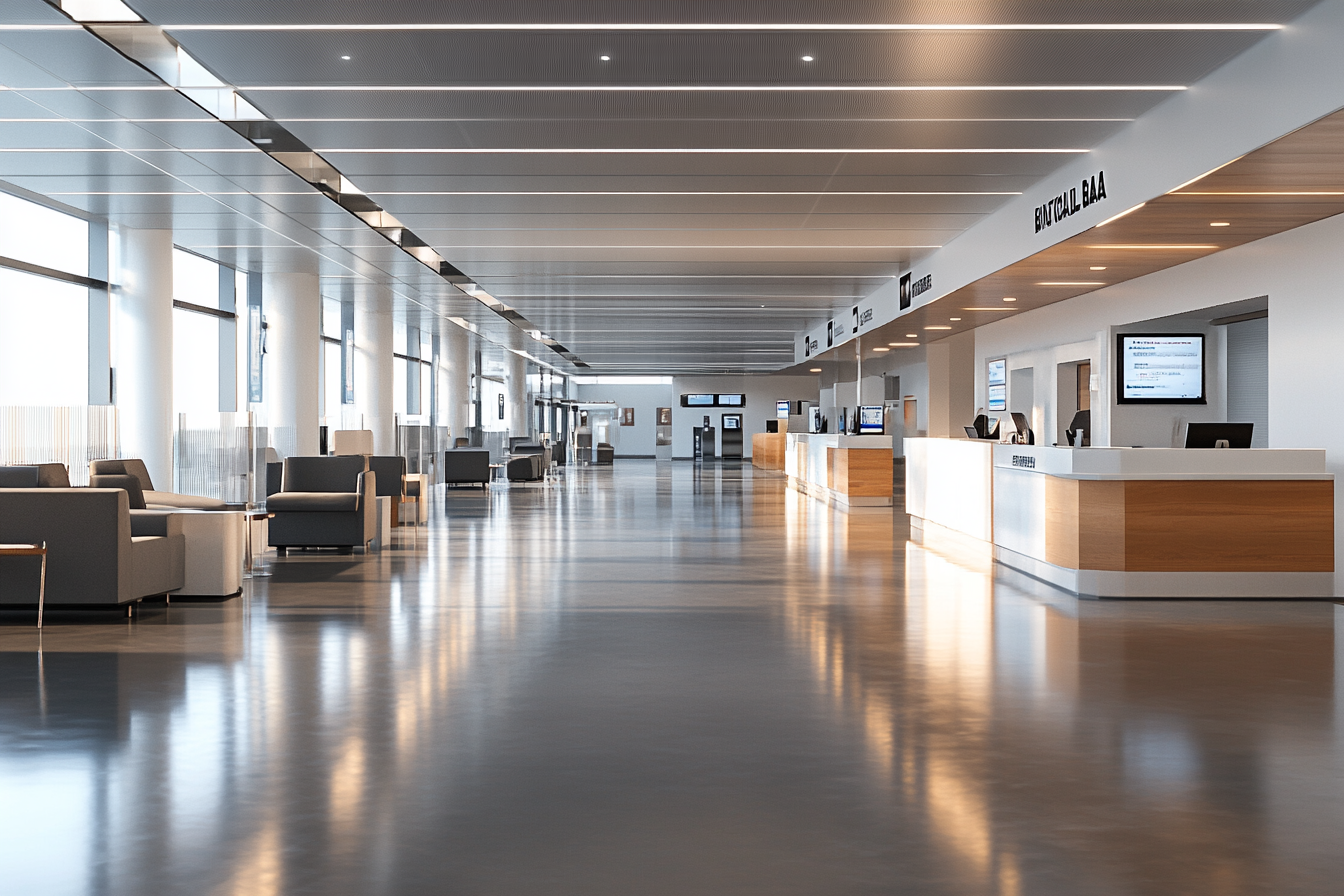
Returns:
<point x="674" y="681"/>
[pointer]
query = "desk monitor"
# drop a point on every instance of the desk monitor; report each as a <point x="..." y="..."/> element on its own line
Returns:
<point x="986" y="428"/>
<point x="1208" y="435"/>
<point x="783" y="409"/>
<point x="1081" y="420"/>
<point x="971" y="433"/>
<point x="732" y="421"/>
<point x="870" y="420"/>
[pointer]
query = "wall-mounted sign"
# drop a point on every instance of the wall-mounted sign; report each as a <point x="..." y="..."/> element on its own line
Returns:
<point x="809" y="346"/>
<point x="912" y="289"/>
<point x="664" y="416"/>
<point x="830" y="333"/>
<point x="1071" y="201"/>
<point x="627" y="416"/>
<point x="501" y="406"/>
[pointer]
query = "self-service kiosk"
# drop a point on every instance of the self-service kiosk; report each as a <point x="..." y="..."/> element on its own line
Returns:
<point x="731" y="440"/>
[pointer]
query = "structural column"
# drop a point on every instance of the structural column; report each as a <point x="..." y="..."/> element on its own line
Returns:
<point x="373" y="367"/>
<point x="515" y="385"/>
<point x="292" y="305"/>
<point x="457" y="371"/>
<point x="144" y="351"/>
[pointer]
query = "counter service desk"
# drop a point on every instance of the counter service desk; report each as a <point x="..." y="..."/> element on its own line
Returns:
<point x="1135" y="522"/>
<point x="851" y="471"/>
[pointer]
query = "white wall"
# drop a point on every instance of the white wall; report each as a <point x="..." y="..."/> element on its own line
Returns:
<point x="1302" y="272"/>
<point x="762" y="392"/>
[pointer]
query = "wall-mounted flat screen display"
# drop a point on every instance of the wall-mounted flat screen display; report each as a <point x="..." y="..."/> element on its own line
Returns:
<point x="731" y="401"/>
<point x="782" y="409"/>
<point x="997" y="371"/>
<point x="998" y="398"/>
<point x="697" y="401"/>
<point x="1161" y="368"/>
<point x="870" y="420"/>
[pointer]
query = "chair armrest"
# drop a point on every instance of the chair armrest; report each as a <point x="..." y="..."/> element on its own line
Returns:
<point x="366" y="484"/>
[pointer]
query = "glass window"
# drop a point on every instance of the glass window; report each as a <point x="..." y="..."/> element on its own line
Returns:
<point x="331" y="319"/>
<point x="195" y="279"/>
<point x="44" y="341"/>
<point x="43" y="236"/>
<point x="331" y="380"/>
<point x="399" y="385"/>
<point x="195" y="362"/>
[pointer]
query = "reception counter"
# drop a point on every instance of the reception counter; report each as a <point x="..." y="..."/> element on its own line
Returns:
<point x="1138" y="522"/>
<point x="851" y="471"/>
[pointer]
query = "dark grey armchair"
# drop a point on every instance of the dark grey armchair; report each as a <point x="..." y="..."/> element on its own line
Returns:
<point x="95" y="556"/>
<point x="326" y="502"/>
<point x="467" y="465"/>
<point x="525" y="468"/>
<point x="606" y="454"/>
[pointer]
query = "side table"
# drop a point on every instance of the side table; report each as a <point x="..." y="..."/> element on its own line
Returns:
<point x="251" y="569"/>
<point x="32" y="550"/>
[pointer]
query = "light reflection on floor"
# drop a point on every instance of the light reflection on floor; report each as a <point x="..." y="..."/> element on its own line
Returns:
<point x="667" y="679"/>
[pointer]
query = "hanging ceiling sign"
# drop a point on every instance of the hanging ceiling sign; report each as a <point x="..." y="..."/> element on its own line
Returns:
<point x="1072" y="201"/>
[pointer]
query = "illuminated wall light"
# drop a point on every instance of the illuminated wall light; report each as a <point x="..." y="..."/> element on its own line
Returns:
<point x="1220" y="224"/>
<point x="1071" y="283"/>
<point x="1009" y="299"/>
<point x="881" y="348"/>
<point x="911" y="335"/>
<point x="816" y="370"/>
<point x="1097" y="267"/>
<point x="938" y="328"/>
<point x="903" y="344"/>
<point x="1000" y="308"/>
<point x="954" y="319"/>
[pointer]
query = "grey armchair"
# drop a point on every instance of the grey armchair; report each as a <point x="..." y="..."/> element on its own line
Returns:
<point x="606" y="454"/>
<point x="154" y="500"/>
<point x="467" y="465"/>
<point x="95" y="555"/>
<point x="325" y="502"/>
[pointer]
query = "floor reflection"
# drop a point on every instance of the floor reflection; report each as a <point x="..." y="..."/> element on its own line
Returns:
<point x="671" y="679"/>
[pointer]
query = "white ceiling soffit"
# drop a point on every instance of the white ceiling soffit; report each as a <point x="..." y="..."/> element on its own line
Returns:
<point x="686" y="204"/>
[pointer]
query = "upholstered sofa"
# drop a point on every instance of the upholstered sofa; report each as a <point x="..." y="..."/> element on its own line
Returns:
<point x="96" y="554"/>
<point x="466" y="465"/>
<point x="324" y="502"/>
<point x="154" y="500"/>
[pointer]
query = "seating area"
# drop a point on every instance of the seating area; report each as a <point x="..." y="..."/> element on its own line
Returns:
<point x="154" y="499"/>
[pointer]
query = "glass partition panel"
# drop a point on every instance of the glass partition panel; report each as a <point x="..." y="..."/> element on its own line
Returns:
<point x="44" y="341"/>
<point x="67" y="435"/>
<point x="215" y="455"/>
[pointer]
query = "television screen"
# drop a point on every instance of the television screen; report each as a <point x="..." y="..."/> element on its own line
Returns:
<point x="998" y="398"/>
<point x="870" y="420"/>
<point x="1165" y="368"/>
<point x="998" y="372"/>
<point x="731" y="401"/>
<point x="697" y="401"/>
<point x="782" y="409"/>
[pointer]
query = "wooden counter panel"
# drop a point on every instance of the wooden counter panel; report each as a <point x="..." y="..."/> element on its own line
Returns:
<point x="1061" y="522"/>
<point x="861" y="472"/>
<point x="1229" y="525"/>
<point x="767" y="450"/>
<point x="1101" y="525"/>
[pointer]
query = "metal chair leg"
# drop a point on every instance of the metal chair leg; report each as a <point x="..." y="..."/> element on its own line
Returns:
<point x="42" y="587"/>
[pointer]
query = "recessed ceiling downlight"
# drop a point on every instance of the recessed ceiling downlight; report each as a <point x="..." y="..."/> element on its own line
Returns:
<point x="808" y="58"/>
<point x="604" y="58"/>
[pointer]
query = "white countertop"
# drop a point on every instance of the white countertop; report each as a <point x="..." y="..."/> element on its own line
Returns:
<point x="1164" y="463"/>
<point x="836" y="440"/>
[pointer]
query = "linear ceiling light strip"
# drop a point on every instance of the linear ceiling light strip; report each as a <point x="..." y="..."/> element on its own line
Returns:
<point x="821" y="27"/>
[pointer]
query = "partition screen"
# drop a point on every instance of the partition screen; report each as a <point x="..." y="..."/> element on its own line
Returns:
<point x="1161" y="368"/>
